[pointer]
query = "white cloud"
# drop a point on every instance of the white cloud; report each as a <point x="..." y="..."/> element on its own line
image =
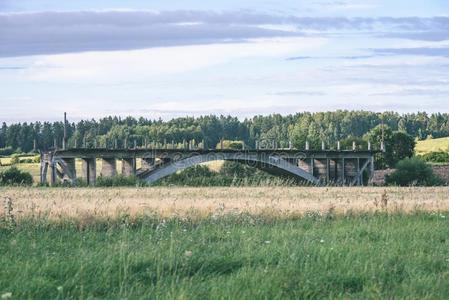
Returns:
<point x="104" y="66"/>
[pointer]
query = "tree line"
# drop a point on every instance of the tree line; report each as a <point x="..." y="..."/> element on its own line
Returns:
<point x="327" y="127"/>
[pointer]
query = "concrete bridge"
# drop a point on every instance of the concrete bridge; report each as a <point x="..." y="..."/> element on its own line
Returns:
<point x="341" y="167"/>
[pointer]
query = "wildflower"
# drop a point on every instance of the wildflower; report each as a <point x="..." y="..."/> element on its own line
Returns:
<point x="267" y="242"/>
<point x="6" y="295"/>
<point x="188" y="253"/>
<point x="59" y="288"/>
<point x="321" y="241"/>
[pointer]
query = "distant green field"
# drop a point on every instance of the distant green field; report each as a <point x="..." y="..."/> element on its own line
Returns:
<point x="433" y="145"/>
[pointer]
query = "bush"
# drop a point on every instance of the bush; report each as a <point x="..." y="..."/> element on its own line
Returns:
<point x="6" y="151"/>
<point x="413" y="172"/>
<point x="233" y="145"/>
<point x="436" y="157"/>
<point x="15" y="159"/>
<point x="15" y="177"/>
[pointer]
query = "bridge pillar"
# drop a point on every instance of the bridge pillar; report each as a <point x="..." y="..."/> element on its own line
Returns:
<point x="129" y="166"/>
<point x="147" y="162"/>
<point x="53" y="173"/>
<point x="108" y="167"/>
<point x="89" y="170"/>
<point x="70" y="168"/>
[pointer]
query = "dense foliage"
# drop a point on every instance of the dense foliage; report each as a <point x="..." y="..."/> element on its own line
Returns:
<point x="15" y="177"/>
<point x="314" y="127"/>
<point x="413" y="172"/>
<point x="230" y="174"/>
<point x="436" y="157"/>
<point x="369" y="256"/>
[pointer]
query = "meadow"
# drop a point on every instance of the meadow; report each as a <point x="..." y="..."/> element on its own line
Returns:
<point x="225" y="243"/>
<point x="432" y="145"/>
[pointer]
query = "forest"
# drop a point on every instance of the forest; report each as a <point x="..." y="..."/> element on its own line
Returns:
<point x="329" y="127"/>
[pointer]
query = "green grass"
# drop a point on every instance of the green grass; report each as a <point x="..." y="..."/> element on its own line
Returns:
<point x="432" y="145"/>
<point x="244" y="257"/>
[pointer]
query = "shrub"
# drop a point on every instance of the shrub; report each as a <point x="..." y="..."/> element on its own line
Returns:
<point x="436" y="157"/>
<point x="6" y="151"/>
<point x="234" y="145"/>
<point x="15" y="177"/>
<point x="15" y="159"/>
<point x="413" y="172"/>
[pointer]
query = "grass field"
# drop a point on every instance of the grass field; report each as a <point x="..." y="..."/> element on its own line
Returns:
<point x="224" y="243"/>
<point x="433" y="145"/>
<point x="60" y="203"/>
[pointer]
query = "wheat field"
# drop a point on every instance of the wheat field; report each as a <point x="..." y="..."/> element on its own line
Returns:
<point x="180" y="201"/>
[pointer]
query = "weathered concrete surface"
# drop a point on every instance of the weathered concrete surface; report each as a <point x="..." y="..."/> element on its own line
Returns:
<point x="89" y="170"/>
<point x="148" y="163"/>
<point x="108" y="167"/>
<point x="128" y="167"/>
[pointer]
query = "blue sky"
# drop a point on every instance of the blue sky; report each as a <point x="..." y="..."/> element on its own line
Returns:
<point x="176" y="58"/>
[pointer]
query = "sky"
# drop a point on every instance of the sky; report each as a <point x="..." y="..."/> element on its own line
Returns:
<point x="166" y="59"/>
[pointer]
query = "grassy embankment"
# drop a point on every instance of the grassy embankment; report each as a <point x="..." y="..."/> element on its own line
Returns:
<point x="432" y="145"/>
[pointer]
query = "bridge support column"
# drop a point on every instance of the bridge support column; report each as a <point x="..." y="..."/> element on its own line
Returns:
<point x="53" y="173"/>
<point x="129" y="166"/>
<point x="108" y="167"/>
<point x="69" y="168"/>
<point x="148" y="163"/>
<point x="89" y="170"/>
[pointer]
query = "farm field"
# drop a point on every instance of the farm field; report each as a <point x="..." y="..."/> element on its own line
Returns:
<point x="233" y="243"/>
<point x="433" y="145"/>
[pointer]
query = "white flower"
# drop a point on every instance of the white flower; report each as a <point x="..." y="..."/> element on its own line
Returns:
<point x="322" y="241"/>
<point x="267" y="242"/>
<point x="59" y="288"/>
<point x="188" y="253"/>
<point x="6" y="295"/>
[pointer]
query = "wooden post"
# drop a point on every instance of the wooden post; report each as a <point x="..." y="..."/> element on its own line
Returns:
<point x="343" y="165"/>
<point x="328" y="166"/>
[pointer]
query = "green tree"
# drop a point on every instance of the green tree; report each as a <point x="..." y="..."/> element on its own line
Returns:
<point x="413" y="172"/>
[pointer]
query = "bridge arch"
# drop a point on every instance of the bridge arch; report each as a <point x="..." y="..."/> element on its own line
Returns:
<point x="266" y="162"/>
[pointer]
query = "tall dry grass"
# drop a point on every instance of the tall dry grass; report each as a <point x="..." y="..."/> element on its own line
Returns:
<point x="165" y="201"/>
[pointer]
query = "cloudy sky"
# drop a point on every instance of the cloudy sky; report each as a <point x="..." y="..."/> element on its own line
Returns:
<point x="94" y="58"/>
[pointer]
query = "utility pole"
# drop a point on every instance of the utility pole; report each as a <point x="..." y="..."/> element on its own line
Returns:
<point x="382" y="142"/>
<point x="64" y="141"/>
